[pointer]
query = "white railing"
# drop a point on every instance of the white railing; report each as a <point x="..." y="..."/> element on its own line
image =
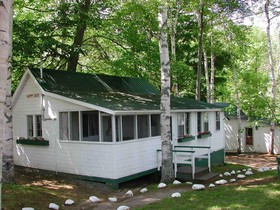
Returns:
<point x="183" y="156"/>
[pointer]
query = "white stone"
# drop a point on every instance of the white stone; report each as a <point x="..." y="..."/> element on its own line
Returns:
<point x="241" y="176"/>
<point x="227" y="174"/>
<point x="161" y="185"/>
<point x="129" y="193"/>
<point x="94" y="199"/>
<point x="211" y="185"/>
<point x="27" y="208"/>
<point x="53" y="206"/>
<point x="238" y="171"/>
<point x="143" y="190"/>
<point x="189" y="183"/>
<point x="113" y="199"/>
<point x="198" y="187"/>
<point x="274" y="168"/>
<point x="232" y="180"/>
<point x="69" y="202"/>
<point x="221" y="175"/>
<point x="232" y="172"/>
<point x="176" y="182"/>
<point x="244" y="170"/>
<point x="176" y="195"/>
<point x="248" y="173"/>
<point x="123" y="208"/>
<point x="260" y="170"/>
<point x="266" y="168"/>
<point x="221" y="182"/>
<point x="249" y="169"/>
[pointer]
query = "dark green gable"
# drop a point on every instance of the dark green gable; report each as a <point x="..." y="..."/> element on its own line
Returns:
<point x="111" y="92"/>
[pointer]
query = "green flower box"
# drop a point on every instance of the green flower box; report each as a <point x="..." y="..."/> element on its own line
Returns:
<point x="203" y="135"/>
<point x="185" y="139"/>
<point x="33" y="142"/>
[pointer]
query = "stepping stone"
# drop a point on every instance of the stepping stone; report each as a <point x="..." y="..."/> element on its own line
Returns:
<point x="161" y="185"/>
<point x="143" y="190"/>
<point x="94" y="199"/>
<point x="69" y="202"/>
<point x="53" y="206"/>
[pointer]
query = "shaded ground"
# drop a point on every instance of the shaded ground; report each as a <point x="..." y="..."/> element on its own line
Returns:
<point x="253" y="160"/>
<point x="62" y="187"/>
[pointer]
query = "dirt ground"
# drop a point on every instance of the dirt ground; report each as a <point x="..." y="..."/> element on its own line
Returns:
<point x="80" y="190"/>
<point x="253" y="160"/>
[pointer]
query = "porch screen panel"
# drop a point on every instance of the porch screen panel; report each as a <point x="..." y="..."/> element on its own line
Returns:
<point x="74" y="126"/>
<point x="128" y="127"/>
<point x="63" y="126"/>
<point x="181" y="122"/>
<point x="30" y="126"/>
<point x="155" y="124"/>
<point x="107" y="129"/>
<point x="143" y="126"/>
<point x="90" y="126"/>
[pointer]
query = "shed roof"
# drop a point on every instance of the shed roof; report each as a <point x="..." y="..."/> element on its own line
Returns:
<point x="111" y="92"/>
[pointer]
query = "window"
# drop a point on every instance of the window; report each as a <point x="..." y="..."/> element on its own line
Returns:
<point x="69" y="126"/>
<point x="38" y="124"/>
<point x="199" y="122"/>
<point x="143" y="126"/>
<point x="34" y="126"/>
<point x="205" y="122"/>
<point x="218" y="121"/>
<point x="187" y="123"/>
<point x="155" y="124"/>
<point x="181" y="124"/>
<point x="30" y="130"/>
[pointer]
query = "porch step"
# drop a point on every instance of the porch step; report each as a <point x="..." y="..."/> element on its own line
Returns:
<point x="202" y="174"/>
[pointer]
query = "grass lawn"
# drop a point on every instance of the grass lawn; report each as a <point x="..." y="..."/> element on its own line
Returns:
<point x="259" y="191"/>
<point x="38" y="189"/>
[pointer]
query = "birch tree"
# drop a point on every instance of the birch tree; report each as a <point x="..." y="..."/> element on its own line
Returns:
<point x="272" y="75"/>
<point x="167" y="171"/>
<point x="5" y="67"/>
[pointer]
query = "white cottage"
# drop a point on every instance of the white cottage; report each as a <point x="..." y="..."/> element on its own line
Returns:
<point x="255" y="137"/>
<point x="107" y="128"/>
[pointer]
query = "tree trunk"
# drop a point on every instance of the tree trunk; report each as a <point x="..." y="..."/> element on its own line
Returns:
<point x="199" y="52"/>
<point x="206" y="75"/>
<point x="167" y="171"/>
<point x="6" y="13"/>
<point x="272" y="74"/>
<point x="212" y="74"/>
<point x="79" y="36"/>
<point x="238" y="110"/>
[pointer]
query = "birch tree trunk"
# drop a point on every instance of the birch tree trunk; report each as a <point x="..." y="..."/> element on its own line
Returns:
<point x="206" y="75"/>
<point x="272" y="75"/>
<point x="167" y="171"/>
<point x="212" y="74"/>
<point x="5" y="66"/>
<point x="239" y="129"/>
<point x="199" y="52"/>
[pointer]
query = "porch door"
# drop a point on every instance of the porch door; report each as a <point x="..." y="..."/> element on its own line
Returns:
<point x="249" y="136"/>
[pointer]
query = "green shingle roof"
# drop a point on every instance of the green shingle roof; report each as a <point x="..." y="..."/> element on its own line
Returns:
<point x="111" y="92"/>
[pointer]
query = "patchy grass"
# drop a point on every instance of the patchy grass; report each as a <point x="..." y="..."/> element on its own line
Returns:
<point x="258" y="191"/>
<point x="37" y="189"/>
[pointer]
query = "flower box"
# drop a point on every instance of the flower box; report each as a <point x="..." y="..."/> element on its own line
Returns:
<point x="185" y="138"/>
<point x="33" y="142"/>
<point x="204" y="134"/>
